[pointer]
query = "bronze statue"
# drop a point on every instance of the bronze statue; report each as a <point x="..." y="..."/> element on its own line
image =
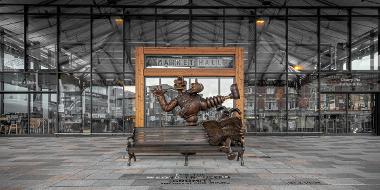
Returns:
<point x="226" y="132"/>
<point x="190" y="101"/>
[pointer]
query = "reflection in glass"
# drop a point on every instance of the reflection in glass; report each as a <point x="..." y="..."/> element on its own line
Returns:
<point x="333" y="108"/>
<point x="42" y="38"/>
<point x="271" y="46"/>
<point x="75" y="104"/>
<point x="334" y="43"/>
<point x="108" y="43"/>
<point x="364" y="43"/>
<point x="360" y="113"/>
<point x="12" y="36"/>
<point x="43" y="114"/>
<point x="270" y="102"/>
<point x="367" y="82"/>
<point x="75" y="44"/>
<point x="302" y="103"/>
<point x="15" y="114"/>
<point x="303" y="48"/>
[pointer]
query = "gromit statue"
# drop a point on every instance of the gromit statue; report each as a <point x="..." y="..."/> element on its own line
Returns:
<point x="190" y="101"/>
<point x="228" y="131"/>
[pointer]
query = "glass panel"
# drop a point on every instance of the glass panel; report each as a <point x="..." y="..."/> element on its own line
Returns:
<point x="271" y="11"/>
<point x="69" y="10"/>
<point x="42" y="38"/>
<point x="364" y="43"/>
<point x="207" y="33"/>
<point x="74" y="105"/>
<point x="360" y="113"/>
<point x="140" y="33"/>
<point x="129" y="107"/>
<point x="107" y="10"/>
<point x="169" y="32"/>
<point x="302" y="11"/>
<point x="29" y="82"/>
<point x="249" y="107"/>
<point x="333" y="107"/>
<point x="303" y="103"/>
<point x="154" y="115"/>
<point x="42" y="10"/>
<point x="108" y="45"/>
<point x="210" y="91"/>
<point x="11" y="9"/>
<point x="271" y="102"/>
<point x="43" y="113"/>
<point x="225" y="84"/>
<point x="15" y="82"/>
<point x="334" y="12"/>
<point x="303" y="48"/>
<point x="75" y="44"/>
<point x="365" y="11"/>
<point x="271" y="44"/>
<point x="152" y="108"/>
<point x="107" y="107"/>
<point x="237" y="32"/>
<point x="12" y="35"/>
<point x="334" y="39"/>
<point x="15" y="113"/>
<point x="360" y="82"/>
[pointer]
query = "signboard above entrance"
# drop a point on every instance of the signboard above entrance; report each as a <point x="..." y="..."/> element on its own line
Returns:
<point x="188" y="61"/>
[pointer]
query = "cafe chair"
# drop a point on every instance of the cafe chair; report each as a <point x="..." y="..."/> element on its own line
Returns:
<point x="3" y="129"/>
<point x="15" y="126"/>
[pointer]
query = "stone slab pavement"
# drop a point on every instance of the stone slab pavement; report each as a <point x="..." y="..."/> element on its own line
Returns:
<point x="271" y="162"/>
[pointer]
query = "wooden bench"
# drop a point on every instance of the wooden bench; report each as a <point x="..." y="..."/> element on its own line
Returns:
<point x="182" y="140"/>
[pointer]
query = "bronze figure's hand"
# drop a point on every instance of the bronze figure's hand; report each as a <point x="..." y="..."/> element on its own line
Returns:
<point x="158" y="91"/>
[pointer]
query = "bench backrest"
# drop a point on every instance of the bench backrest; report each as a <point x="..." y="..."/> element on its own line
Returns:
<point x="171" y="135"/>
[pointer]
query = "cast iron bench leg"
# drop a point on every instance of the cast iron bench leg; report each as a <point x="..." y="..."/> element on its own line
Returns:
<point x="241" y="155"/>
<point x="186" y="159"/>
<point x="130" y="156"/>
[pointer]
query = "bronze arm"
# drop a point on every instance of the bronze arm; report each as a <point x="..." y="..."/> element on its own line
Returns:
<point x="159" y="93"/>
<point x="167" y="106"/>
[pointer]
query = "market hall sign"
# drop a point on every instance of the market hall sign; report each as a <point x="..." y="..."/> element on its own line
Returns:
<point x="188" y="61"/>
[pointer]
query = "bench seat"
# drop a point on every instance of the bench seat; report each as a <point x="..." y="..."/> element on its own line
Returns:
<point x="181" y="140"/>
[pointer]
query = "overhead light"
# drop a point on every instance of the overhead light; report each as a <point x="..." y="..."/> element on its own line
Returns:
<point x="119" y="21"/>
<point x="298" y="67"/>
<point x="260" y="21"/>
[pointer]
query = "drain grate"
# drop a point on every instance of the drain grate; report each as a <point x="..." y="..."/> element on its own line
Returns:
<point x="305" y="181"/>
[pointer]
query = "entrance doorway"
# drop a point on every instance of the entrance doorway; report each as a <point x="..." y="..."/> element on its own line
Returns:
<point x="348" y="113"/>
<point x="215" y="67"/>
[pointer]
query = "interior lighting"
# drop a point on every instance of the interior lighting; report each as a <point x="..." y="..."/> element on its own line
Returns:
<point x="297" y="67"/>
<point x="119" y="21"/>
<point x="260" y="21"/>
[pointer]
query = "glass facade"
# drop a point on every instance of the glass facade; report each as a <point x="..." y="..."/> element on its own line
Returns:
<point x="72" y="69"/>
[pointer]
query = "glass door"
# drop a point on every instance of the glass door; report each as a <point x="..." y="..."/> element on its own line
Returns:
<point x="360" y="109"/>
<point x="347" y="113"/>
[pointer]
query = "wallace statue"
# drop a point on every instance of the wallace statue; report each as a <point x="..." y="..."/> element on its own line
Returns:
<point x="190" y="102"/>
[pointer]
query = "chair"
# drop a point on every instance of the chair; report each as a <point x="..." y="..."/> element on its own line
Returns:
<point x="15" y="125"/>
<point x="3" y="128"/>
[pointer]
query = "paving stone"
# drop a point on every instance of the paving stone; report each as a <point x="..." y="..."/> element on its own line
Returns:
<point x="343" y="162"/>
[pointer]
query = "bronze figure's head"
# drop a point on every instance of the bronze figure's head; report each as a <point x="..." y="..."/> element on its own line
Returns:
<point x="179" y="83"/>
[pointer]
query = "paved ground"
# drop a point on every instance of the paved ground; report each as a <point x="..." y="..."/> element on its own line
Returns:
<point x="351" y="162"/>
